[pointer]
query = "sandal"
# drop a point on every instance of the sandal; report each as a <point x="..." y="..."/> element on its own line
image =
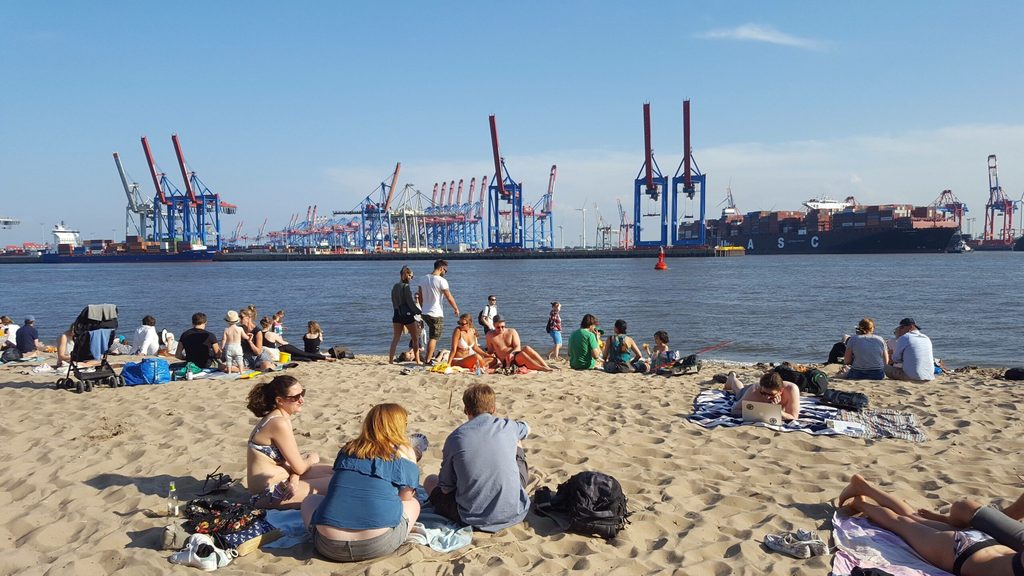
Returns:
<point x="217" y="482"/>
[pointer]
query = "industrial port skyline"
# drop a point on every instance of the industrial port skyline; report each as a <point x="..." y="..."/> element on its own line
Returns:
<point x="785" y="108"/>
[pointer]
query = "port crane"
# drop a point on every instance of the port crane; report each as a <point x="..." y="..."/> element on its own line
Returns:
<point x="688" y="183"/>
<point x="505" y="218"/>
<point x="181" y="216"/>
<point x="650" y="196"/>
<point x="541" y="232"/>
<point x="140" y="211"/>
<point x="951" y="206"/>
<point x="603" y="234"/>
<point x="998" y="206"/>
<point x="625" y="228"/>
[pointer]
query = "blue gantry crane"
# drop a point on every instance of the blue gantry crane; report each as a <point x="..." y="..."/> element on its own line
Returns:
<point x="687" y="186"/>
<point x="650" y="196"/>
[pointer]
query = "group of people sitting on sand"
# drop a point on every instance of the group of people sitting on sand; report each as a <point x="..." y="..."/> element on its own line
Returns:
<point x="867" y="356"/>
<point x="246" y="344"/>
<point x="364" y="505"/>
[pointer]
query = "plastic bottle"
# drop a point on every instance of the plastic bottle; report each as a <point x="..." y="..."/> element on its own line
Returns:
<point x="172" y="500"/>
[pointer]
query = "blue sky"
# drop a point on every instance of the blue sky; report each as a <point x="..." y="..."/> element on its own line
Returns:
<point x="284" y="105"/>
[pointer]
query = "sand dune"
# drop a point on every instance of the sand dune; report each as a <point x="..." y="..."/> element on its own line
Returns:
<point x="83" y="488"/>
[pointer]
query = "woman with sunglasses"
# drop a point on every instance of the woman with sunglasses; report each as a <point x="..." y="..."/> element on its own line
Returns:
<point x="771" y="389"/>
<point x="466" y="350"/>
<point x="279" y="476"/>
<point x="371" y="502"/>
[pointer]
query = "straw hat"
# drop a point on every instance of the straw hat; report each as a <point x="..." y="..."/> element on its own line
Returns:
<point x="232" y="317"/>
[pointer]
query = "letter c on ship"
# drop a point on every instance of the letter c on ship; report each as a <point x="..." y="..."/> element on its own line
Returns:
<point x="814" y="241"/>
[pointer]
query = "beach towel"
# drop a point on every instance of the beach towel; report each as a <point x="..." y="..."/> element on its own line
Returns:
<point x="293" y="529"/>
<point x="711" y="409"/>
<point x="439" y="533"/>
<point x="101" y="312"/>
<point x="861" y="543"/>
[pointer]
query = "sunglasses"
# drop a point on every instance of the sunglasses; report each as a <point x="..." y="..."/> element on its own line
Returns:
<point x="295" y="397"/>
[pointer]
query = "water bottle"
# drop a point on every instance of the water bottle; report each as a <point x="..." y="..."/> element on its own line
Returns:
<point x="172" y="500"/>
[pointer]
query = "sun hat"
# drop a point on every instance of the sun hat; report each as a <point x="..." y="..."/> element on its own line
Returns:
<point x="232" y="317"/>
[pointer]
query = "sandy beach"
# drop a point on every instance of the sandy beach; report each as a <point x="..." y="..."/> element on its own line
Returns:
<point x="82" y="489"/>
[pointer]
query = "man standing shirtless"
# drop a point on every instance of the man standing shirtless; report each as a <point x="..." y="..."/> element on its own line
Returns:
<point x="504" y="343"/>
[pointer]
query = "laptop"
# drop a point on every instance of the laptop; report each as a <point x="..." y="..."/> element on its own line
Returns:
<point x="762" y="412"/>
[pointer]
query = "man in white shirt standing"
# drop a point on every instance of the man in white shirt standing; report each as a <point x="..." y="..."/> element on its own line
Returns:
<point x="146" y="342"/>
<point x="486" y="316"/>
<point x="429" y="293"/>
<point x="912" y="354"/>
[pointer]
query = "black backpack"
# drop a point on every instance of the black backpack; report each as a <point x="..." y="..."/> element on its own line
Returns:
<point x="853" y="401"/>
<point x="813" y="381"/>
<point x="593" y="502"/>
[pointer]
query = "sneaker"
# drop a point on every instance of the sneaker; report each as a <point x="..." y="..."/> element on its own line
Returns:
<point x="224" y="557"/>
<point x="801" y="544"/>
<point x="199" y="552"/>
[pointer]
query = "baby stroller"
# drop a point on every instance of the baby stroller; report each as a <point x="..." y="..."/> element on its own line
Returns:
<point x="93" y="332"/>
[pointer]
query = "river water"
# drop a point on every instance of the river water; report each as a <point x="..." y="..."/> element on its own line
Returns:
<point x="772" y="308"/>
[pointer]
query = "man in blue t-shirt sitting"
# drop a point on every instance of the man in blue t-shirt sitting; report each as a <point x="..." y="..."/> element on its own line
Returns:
<point x="911" y="358"/>
<point x="483" y="475"/>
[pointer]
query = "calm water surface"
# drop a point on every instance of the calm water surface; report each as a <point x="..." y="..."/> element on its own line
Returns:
<point x="773" y="308"/>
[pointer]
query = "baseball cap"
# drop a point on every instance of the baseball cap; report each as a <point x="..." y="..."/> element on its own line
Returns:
<point x="30" y="318"/>
<point x="497" y="318"/>
<point x="909" y="322"/>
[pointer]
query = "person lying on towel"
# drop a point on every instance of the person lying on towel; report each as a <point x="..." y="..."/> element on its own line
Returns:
<point x="771" y="389"/>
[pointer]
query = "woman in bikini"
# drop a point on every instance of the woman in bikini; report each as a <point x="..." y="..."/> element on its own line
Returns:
<point x="961" y="552"/>
<point x="279" y="476"/>
<point x="466" y="350"/>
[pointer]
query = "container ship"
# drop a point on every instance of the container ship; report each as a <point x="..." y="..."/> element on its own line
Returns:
<point x="71" y="250"/>
<point x="832" y="227"/>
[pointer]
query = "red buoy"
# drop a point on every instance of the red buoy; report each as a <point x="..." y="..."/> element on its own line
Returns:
<point x="661" y="260"/>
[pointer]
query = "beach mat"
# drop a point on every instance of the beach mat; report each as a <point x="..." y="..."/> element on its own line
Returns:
<point x="861" y="543"/>
<point x="711" y="409"/>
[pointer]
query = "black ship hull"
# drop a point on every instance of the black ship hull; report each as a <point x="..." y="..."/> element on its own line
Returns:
<point x="863" y="241"/>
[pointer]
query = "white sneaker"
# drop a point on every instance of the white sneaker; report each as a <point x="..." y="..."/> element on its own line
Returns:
<point x="224" y="557"/>
<point x="199" y="552"/>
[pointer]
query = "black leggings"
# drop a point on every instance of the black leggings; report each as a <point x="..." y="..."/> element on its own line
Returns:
<point x="301" y="355"/>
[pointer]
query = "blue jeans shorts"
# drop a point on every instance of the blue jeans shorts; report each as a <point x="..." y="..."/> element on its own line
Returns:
<point x="556" y="337"/>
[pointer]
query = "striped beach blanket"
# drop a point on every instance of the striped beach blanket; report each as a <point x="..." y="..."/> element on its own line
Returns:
<point x="711" y="409"/>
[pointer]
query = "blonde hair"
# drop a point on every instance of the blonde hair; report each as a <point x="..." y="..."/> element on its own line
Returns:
<point x="314" y="327"/>
<point x="865" y="326"/>
<point x="382" y="433"/>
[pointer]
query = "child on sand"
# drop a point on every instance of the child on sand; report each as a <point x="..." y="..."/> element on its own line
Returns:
<point x="659" y="355"/>
<point x="231" y="342"/>
<point x="278" y="319"/>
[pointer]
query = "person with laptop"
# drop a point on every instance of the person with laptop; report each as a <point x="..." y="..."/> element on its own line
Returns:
<point x="771" y="389"/>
